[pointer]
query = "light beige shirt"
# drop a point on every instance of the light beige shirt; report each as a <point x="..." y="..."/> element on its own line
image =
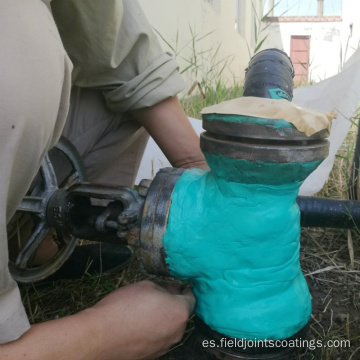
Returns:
<point x="113" y="48"/>
<point x="34" y="98"/>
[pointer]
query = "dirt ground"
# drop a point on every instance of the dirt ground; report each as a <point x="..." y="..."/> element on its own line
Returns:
<point x="334" y="284"/>
<point x="333" y="279"/>
<point x="330" y="262"/>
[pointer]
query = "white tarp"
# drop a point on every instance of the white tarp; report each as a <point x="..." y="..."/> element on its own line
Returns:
<point x="340" y="93"/>
<point x="153" y="159"/>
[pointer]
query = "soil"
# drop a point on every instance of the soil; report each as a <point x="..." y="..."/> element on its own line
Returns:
<point x="335" y="290"/>
<point x="333" y="279"/>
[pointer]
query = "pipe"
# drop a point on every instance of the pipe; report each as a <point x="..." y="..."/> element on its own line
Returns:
<point x="330" y="213"/>
<point x="233" y="232"/>
<point x="270" y="75"/>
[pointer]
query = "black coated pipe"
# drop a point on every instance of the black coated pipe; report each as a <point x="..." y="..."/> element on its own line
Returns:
<point x="330" y="213"/>
<point x="272" y="69"/>
<point x="270" y="75"/>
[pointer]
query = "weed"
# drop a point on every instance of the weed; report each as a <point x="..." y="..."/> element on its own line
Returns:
<point x="329" y="259"/>
<point x="204" y="69"/>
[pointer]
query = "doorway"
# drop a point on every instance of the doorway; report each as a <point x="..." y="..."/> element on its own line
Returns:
<point x="299" y="55"/>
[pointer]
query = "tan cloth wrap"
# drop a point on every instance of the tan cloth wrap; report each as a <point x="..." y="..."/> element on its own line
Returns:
<point x="123" y="59"/>
<point x="305" y="120"/>
<point x="34" y="88"/>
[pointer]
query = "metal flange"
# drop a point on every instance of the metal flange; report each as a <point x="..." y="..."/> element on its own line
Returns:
<point x="266" y="151"/>
<point x="154" y="221"/>
<point x="271" y="129"/>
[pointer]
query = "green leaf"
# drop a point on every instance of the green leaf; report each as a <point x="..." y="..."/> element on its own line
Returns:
<point x="166" y="42"/>
<point x="259" y="45"/>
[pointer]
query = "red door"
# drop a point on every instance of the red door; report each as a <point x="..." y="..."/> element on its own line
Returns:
<point x="299" y="55"/>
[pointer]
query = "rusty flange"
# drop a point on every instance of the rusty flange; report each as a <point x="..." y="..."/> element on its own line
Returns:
<point x="267" y="151"/>
<point x="154" y="220"/>
<point x="249" y="129"/>
<point x="267" y="140"/>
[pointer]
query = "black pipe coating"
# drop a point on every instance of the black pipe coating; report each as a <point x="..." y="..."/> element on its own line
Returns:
<point x="269" y="75"/>
<point x="330" y="213"/>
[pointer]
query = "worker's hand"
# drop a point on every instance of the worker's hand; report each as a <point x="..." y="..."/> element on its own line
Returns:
<point x="141" y="321"/>
<point x="138" y="321"/>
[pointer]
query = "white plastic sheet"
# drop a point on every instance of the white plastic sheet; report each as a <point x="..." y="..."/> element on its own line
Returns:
<point x="153" y="159"/>
<point x="340" y="93"/>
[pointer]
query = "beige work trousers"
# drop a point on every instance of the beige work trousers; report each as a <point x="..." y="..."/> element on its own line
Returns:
<point x="35" y="86"/>
<point x="110" y="144"/>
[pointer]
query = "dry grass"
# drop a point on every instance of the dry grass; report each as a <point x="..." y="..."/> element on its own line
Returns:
<point x="330" y="265"/>
<point x="334" y="284"/>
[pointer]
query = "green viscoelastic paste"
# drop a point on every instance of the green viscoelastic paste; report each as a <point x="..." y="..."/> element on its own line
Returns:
<point x="241" y="119"/>
<point x="259" y="172"/>
<point x="238" y="245"/>
<point x="279" y="94"/>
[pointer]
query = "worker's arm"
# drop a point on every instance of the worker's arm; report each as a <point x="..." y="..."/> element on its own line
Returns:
<point x="167" y="123"/>
<point x="138" y="321"/>
<point x="125" y="60"/>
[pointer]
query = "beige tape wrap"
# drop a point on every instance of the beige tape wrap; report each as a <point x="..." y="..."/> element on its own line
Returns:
<point x="305" y="120"/>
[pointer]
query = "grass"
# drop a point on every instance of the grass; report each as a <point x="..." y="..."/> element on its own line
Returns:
<point x="330" y="263"/>
<point x="193" y="105"/>
<point x="333" y="277"/>
<point x="337" y="184"/>
<point x="204" y="69"/>
<point x="334" y="285"/>
<point x="329" y="258"/>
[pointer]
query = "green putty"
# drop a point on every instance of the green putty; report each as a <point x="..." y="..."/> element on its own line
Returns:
<point x="238" y="244"/>
<point x="241" y="119"/>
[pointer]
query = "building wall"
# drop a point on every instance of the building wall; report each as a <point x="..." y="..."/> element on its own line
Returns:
<point x="331" y="42"/>
<point x="351" y="33"/>
<point x="196" y="28"/>
<point x="325" y="45"/>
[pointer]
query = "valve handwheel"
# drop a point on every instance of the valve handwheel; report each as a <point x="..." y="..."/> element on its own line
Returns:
<point x="29" y="228"/>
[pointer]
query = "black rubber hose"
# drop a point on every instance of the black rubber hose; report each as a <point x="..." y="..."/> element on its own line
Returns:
<point x="329" y="213"/>
<point x="269" y="75"/>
